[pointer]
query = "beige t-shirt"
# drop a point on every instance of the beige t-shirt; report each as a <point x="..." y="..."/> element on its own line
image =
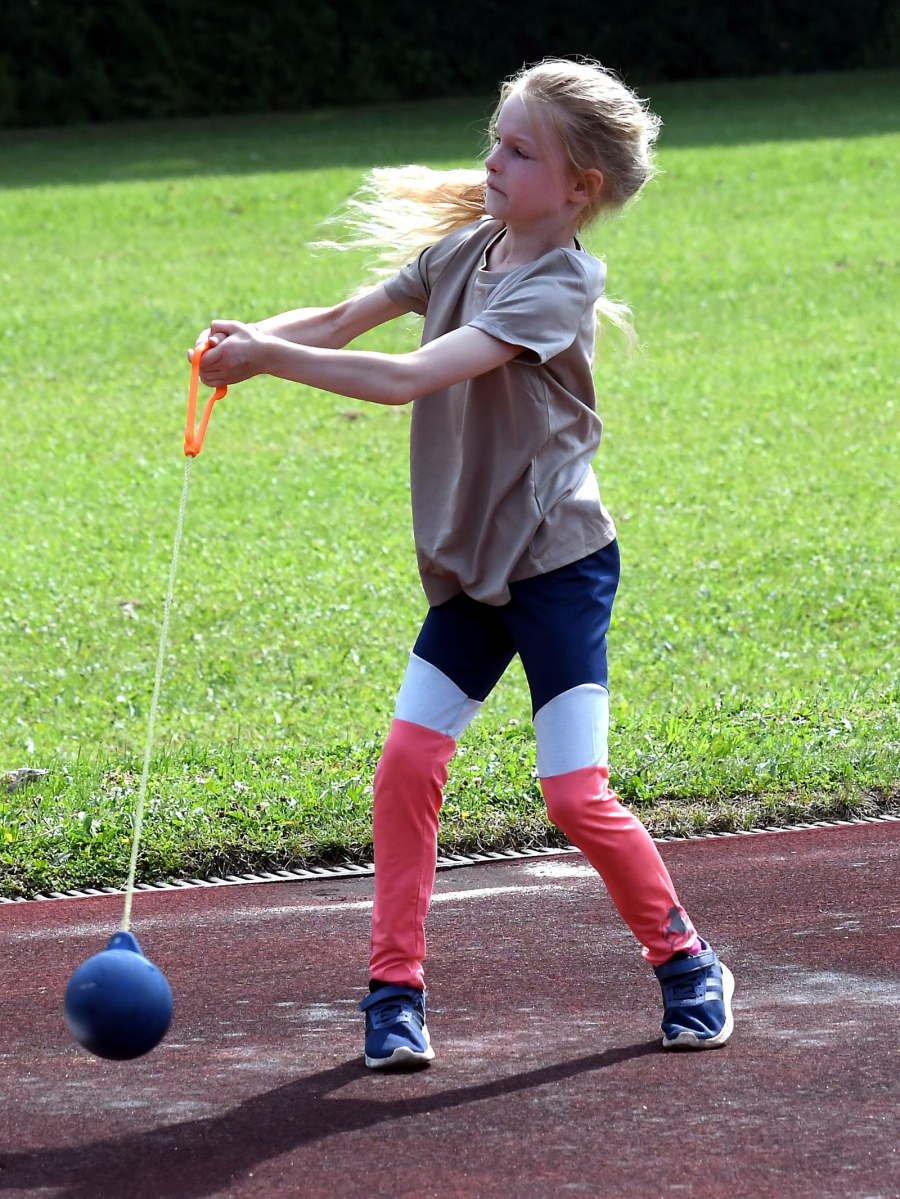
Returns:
<point x="500" y="465"/>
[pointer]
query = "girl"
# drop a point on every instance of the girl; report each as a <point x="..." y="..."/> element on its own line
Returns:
<point x="516" y="552"/>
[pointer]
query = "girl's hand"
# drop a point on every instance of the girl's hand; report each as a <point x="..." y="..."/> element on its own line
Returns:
<point x="238" y="352"/>
<point x="201" y="341"/>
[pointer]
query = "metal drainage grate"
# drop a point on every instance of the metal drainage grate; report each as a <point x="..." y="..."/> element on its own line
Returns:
<point x="447" y="862"/>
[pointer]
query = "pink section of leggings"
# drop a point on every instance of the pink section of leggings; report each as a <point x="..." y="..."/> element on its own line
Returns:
<point x="409" y="786"/>
<point x="622" y="852"/>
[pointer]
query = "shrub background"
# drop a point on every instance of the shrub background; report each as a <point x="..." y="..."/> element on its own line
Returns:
<point x="101" y="60"/>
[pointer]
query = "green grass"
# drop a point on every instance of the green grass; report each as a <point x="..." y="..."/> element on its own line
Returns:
<point x="749" y="458"/>
<point x="224" y="809"/>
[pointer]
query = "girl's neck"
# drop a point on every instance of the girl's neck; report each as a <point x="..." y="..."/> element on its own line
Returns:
<point x="518" y="247"/>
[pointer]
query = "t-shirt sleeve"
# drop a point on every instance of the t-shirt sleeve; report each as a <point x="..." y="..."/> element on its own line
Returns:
<point x="542" y="306"/>
<point x="410" y="287"/>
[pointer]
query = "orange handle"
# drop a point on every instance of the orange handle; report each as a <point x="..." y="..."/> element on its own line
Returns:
<point x="193" y="441"/>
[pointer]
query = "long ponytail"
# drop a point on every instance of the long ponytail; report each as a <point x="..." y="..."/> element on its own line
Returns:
<point x="399" y="211"/>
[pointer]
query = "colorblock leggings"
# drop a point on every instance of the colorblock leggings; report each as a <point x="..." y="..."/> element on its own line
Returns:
<point x="557" y="623"/>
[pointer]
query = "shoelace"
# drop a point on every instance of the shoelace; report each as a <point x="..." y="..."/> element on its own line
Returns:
<point x="685" y="990"/>
<point x="386" y="1013"/>
<point x="689" y="990"/>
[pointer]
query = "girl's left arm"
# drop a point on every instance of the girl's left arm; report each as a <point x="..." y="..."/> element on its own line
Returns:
<point x="245" y="351"/>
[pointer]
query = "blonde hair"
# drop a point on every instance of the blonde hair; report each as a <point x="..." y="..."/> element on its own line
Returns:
<point x="600" y="123"/>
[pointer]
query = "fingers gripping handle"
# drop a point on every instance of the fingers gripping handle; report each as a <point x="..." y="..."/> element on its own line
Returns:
<point x="193" y="441"/>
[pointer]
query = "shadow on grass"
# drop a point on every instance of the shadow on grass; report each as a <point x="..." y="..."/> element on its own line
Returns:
<point x="203" y="1157"/>
<point x="698" y="113"/>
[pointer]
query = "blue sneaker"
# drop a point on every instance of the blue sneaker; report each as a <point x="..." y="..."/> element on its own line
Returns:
<point x="697" y="996"/>
<point x="396" y="1033"/>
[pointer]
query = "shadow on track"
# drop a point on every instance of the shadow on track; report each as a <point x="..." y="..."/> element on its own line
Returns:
<point x="212" y="1153"/>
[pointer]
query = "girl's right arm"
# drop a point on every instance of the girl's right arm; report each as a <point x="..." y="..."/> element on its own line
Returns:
<point x="329" y="328"/>
<point x="333" y="328"/>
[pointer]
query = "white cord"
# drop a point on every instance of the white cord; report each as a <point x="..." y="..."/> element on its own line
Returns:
<point x="160" y="660"/>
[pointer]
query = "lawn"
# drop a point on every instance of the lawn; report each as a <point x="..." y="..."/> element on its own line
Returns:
<point x="749" y="458"/>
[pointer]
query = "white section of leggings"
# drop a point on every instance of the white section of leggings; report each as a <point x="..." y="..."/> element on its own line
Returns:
<point x="427" y="697"/>
<point x="572" y="729"/>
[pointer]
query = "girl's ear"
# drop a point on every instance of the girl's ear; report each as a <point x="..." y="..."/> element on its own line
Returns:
<point x="586" y="186"/>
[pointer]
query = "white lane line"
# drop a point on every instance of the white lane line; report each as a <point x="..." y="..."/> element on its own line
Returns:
<point x="560" y="870"/>
<point x="255" y="915"/>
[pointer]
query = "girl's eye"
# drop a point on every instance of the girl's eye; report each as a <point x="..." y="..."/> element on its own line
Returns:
<point x="518" y="151"/>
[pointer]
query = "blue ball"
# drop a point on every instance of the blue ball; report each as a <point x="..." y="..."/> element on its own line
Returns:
<point x="118" y="1004"/>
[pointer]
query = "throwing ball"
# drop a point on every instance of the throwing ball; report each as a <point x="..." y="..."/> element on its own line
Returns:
<point x="118" y="1004"/>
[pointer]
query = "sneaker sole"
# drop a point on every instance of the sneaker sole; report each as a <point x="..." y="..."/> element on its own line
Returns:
<point x="689" y="1040"/>
<point x="402" y="1057"/>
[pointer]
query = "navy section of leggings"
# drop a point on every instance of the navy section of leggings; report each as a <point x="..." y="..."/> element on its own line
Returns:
<point x="556" y="622"/>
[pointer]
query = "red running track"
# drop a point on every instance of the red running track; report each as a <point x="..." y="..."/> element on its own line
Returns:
<point x="549" y="1080"/>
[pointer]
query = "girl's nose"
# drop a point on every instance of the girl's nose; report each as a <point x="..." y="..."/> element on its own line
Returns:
<point x="491" y="161"/>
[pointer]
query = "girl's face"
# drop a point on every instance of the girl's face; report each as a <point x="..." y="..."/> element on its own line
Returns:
<point x="530" y="180"/>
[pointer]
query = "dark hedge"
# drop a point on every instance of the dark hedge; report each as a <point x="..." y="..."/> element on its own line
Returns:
<point x="63" y="61"/>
